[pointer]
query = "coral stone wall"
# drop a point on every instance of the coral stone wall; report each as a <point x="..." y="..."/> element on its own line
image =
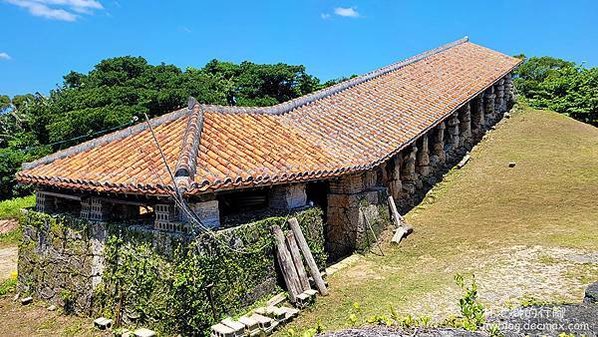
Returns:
<point x="61" y="260"/>
<point x="138" y="275"/>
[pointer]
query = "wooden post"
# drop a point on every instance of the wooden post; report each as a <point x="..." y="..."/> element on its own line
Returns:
<point x="286" y="264"/>
<point x="395" y="214"/>
<point x="311" y="263"/>
<point x="296" y="255"/>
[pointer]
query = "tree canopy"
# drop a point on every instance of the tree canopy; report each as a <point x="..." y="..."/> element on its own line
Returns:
<point x="119" y="89"/>
<point x="559" y="85"/>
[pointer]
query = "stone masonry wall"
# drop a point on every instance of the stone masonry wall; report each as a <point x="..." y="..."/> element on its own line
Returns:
<point x="137" y="273"/>
<point x="352" y="200"/>
<point x="61" y="260"/>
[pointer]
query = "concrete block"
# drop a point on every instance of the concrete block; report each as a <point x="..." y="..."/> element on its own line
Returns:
<point x="251" y="325"/>
<point x="290" y="313"/>
<point x="221" y="330"/>
<point x="264" y="322"/>
<point x="277" y="299"/>
<point x="303" y="300"/>
<point x="238" y="327"/>
<point x="261" y="311"/>
<point x="276" y="313"/>
<point x="102" y="323"/>
<point x="311" y="292"/>
<point x="143" y="332"/>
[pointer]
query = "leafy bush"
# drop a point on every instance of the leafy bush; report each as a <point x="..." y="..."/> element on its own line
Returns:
<point x="472" y="311"/>
<point x="559" y="85"/>
<point x="11" y="209"/>
<point x="9" y="285"/>
<point x="202" y="281"/>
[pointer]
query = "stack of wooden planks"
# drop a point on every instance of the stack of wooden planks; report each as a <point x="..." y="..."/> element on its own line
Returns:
<point x="291" y="250"/>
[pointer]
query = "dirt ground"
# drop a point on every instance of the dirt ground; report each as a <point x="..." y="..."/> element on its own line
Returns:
<point x="35" y="320"/>
<point x="8" y="225"/>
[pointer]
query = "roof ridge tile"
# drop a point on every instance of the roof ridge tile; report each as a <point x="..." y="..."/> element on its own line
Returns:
<point x="292" y="104"/>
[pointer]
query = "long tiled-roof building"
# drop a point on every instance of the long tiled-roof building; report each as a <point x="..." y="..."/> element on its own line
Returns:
<point x="382" y="133"/>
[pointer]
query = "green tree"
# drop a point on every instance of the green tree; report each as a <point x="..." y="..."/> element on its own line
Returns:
<point x="559" y="85"/>
<point x="119" y="89"/>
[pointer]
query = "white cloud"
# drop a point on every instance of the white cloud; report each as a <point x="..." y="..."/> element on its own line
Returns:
<point x="325" y="16"/>
<point x="63" y="10"/>
<point x="349" y="12"/>
<point x="4" y="56"/>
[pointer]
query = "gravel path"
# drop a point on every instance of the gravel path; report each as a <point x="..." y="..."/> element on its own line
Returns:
<point x="548" y="274"/>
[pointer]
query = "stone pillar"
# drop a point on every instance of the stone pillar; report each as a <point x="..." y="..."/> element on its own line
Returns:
<point x="287" y="196"/>
<point x="489" y="106"/>
<point x="408" y="171"/>
<point x="351" y="200"/>
<point x="438" y="156"/>
<point x="478" y="120"/>
<point x="423" y="157"/>
<point x="453" y="132"/>
<point x="509" y="91"/>
<point x="499" y="105"/>
<point x="465" y="125"/>
<point x="395" y="184"/>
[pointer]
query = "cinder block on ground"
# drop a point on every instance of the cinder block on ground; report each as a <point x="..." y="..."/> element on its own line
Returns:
<point x="102" y="323"/>
<point x="290" y="313"/>
<point x="221" y="330"/>
<point x="303" y="300"/>
<point x="143" y="332"/>
<point x="266" y="324"/>
<point x="238" y="327"/>
<point x="276" y="313"/>
<point x="251" y="325"/>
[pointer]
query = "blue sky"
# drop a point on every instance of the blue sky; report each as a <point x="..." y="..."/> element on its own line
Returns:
<point x="42" y="40"/>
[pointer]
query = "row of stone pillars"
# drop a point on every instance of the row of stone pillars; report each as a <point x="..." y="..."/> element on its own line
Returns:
<point x="449" y="140"/>
<point x="406" y="173"/>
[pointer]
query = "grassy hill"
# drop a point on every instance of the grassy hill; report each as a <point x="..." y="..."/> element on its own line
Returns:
<point x="527" y="232"/>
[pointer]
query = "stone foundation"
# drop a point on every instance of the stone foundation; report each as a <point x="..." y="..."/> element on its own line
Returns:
<point x="61" y="261"/>
<point x="92" y="268"/>
<point x="353" y="199"/>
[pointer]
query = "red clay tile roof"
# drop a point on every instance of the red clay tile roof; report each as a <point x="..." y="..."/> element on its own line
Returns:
<point x="350" y="127"/>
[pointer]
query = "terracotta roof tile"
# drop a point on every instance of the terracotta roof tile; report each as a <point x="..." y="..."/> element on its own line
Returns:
<point x="350" y="127"/>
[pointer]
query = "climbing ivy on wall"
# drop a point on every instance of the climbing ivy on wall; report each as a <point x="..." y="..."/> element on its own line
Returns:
<point x="197" y="282"/>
